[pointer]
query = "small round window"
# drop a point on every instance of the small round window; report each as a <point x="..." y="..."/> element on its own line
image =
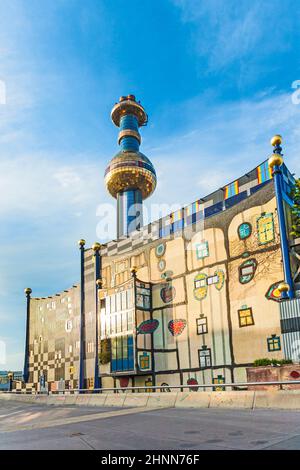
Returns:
<point x="244" y="230"/>
<point x="160" y="250"/>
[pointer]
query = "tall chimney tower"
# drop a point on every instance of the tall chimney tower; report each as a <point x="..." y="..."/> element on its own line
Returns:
<point x="130" y="176"/>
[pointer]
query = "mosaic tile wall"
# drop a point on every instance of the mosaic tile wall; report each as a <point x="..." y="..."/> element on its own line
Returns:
<point x="205" y="307"/>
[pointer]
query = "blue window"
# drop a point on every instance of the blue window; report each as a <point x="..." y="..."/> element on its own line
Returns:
<point x="274" y="343"/>
<point x="244" y="231"/>
<point x="122" y="353"/>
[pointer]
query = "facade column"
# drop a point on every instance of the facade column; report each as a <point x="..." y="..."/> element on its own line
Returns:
<point x="133" y="272"/>
<point x="10" y="381"/>
<point x="275" y="163"/>
<point x="97" y="247"/>
<point x="28" y="292"/>
<point x="81" y="244"/>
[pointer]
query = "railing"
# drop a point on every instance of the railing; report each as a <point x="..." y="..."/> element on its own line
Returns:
<point x="154" y="388"/>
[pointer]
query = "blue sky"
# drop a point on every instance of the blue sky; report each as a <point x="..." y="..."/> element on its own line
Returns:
<point x="215" y="77"/>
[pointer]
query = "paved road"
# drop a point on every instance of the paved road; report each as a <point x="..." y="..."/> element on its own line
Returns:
<point x="25" y="426"/>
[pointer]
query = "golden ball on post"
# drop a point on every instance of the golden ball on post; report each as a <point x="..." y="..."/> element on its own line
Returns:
<point x="276" y="140"/>
<point x="275" y="160"/>
<point x="81" y="242"/>
<point x="283" y="287"/>
<point x="99" y="283"/>
<point x="133" y="270"/>
<point x="27" y="291"/>
<point x="96" y="247"/>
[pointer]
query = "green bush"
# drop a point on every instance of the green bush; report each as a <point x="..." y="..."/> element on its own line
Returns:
<point x="295" y="196"/>
<point x="275" y="362"/>
<point x="262" y="362"/>
<point x="285" y="361"/>
<point x="105" y="347"/>
<point x="271" y="362"/>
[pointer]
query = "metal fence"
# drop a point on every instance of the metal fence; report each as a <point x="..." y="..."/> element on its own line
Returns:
<point x="242" y="386"/>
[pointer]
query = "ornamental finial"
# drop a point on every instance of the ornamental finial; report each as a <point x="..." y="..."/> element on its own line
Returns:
<point x="283" y="287"/>
<point x="276" y="159"/>
<point x="96" y="247"/>
<point x="133" y="271"/>
<point x="276" y="140"/>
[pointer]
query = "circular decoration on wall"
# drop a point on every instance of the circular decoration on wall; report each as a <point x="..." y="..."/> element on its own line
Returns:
<point x="147" y="326"/>
<point x="160" y="249"/>
<point x="193" y="381"/>
<point x="221" y="279"/>
<point x="161" y="265"/>
<point x="295" y="374"/>
<point x="247" y="270"/>
<point x="176" y="327"/>
<point x="200" y="286"/>
<point x="244" y="230"/>
<point x="167" y="293"/>
<point x="273" y="293"/>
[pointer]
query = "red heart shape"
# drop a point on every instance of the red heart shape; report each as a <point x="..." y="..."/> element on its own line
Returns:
<point x="176" y="327"/>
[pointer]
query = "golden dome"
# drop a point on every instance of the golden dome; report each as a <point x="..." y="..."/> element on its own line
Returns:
<point x="81" y="242"/>
<point x="275" y="160"/>
<point x="276" y="140"/>
<point x="130" y="170"/>
<point x="283" y="287"/>
<point x="96" y="246"/>
<point x="27" y="291"/>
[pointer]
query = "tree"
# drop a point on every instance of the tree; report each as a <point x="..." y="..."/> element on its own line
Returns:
<point x="295" y="196"/>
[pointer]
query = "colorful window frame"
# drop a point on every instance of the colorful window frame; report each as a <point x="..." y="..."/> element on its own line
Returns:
<point x="274" y="343"/>
<point x="247" y="270"/>
<point x="220" y="379"/>
<point x="143" y="297"/>
<point x="244" y="230"/>
<point x="265" y="229"/>
<point x="198" y="283"/>
<point x="201" y="324"/>
<point x="212" y="279"/>
<point x="204" y="357"/>
<point x="122" y="354"/>
<point x="246" y="318"/>
<point x="202" y="250"/>
<point x="145" y="361"/>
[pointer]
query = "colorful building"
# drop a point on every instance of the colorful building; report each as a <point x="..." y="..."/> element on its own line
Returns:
<point x="194" y="297"/>
<point x="8" y="380"/>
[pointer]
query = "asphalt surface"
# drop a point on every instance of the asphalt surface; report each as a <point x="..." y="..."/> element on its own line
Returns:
<point x="25" y="426"/>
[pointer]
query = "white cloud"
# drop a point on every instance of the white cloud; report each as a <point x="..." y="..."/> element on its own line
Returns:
<point x="227" y="141"/>
<point x="34" y="184"/>
<point x="226" y="30"/>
